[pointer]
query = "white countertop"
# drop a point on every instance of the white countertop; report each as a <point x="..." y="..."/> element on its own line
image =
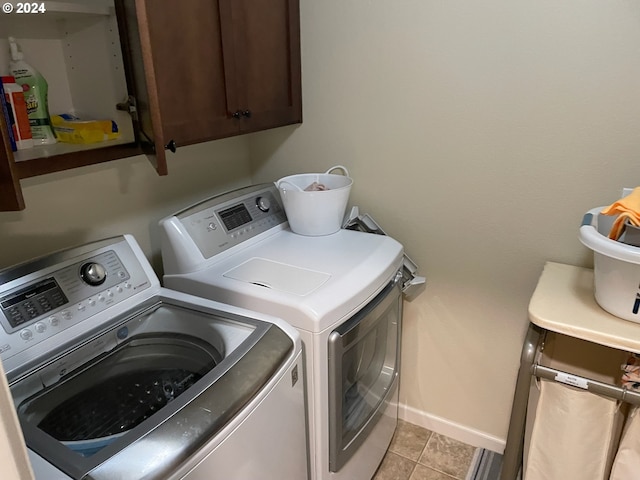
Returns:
<point x="563" y="302"/>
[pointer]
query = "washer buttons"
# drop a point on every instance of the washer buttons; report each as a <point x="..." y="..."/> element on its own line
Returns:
<point x="66" y="314"/>
<point x="53" y="321"/>
<point x="40" y="327"/>
<point x="26" y="334"/>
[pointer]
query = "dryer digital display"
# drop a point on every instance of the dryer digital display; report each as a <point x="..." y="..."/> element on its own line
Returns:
<point x="235" y="217"/>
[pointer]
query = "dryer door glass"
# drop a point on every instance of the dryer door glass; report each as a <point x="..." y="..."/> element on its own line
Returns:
<point x="363" y="366"/>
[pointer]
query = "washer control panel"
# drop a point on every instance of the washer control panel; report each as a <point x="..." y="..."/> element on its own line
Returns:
<point x="37" y="305"/>
<point x="222" y="222"/>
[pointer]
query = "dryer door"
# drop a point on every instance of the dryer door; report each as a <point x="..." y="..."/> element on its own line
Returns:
<point x="363" y="368"/>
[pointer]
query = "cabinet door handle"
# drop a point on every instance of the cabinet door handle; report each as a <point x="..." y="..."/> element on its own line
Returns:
<point x="171" y="146"/>
<point x="246" y="113"/>
<point x="236" y="114"/>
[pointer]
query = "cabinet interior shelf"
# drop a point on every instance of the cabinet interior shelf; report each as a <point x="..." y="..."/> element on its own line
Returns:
<point x="66" y="8"/>
<point x="46" y="151"/>
<point x="59" y="159"/>
<point x="84" y="8"/>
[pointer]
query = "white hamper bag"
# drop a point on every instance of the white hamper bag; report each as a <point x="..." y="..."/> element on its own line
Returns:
<point x="627" y="463"/>
<point x="575" y="432"/>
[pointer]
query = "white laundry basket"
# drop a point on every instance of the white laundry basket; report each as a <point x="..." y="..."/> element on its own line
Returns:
<point x="315" y="212"/>
<point x="616" y="267"/>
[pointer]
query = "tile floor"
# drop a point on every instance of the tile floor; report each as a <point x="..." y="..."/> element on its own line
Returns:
<point x="416" y="453"/>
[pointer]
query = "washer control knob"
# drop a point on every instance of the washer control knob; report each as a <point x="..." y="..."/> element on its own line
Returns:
<point x="263" y="204"/>
<point x="93" y="273"/>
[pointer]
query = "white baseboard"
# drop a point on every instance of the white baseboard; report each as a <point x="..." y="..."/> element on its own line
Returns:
<point x="450" y="429"/>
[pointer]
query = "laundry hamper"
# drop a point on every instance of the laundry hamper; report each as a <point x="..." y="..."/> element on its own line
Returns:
<point x="572" y="433"/>
<point x="626" y="465"/>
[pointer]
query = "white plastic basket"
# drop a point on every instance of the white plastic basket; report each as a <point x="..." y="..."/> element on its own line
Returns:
<point x="616" y="267"/>
<point x="316" y="212"/>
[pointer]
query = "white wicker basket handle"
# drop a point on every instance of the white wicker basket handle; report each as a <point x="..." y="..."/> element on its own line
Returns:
<point x="344" y="169"/>
<point x="285" y="182"/>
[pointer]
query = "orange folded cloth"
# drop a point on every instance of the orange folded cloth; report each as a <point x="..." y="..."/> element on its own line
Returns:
<point x="627" y="208"/>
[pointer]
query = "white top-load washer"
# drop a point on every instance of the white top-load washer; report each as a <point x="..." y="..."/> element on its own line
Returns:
<point x="115" y="377"/>
<point x="342" y="293"/>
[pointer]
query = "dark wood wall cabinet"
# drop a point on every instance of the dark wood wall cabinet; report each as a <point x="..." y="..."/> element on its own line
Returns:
<point x="168" y="73"/>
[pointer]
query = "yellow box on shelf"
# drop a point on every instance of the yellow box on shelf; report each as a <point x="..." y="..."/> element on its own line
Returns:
<point x="71" y="129"/>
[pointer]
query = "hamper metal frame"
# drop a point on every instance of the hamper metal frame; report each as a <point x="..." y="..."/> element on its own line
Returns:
<point x="533" y="344"/>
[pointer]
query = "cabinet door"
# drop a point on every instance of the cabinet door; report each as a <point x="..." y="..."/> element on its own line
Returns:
<point x="209" y="69"/>
<point x="178" y="73"/>
<point x="261" y="41"/>
<point x="10" y="192"/>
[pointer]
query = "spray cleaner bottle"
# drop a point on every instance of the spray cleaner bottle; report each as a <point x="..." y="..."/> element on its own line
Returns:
<point x="35" y="94"/>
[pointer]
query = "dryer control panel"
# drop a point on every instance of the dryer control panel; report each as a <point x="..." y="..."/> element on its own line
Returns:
<point x="222" y="222"/>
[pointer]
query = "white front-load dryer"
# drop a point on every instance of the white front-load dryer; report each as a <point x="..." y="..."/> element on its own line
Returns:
<point x="341" y="292"/>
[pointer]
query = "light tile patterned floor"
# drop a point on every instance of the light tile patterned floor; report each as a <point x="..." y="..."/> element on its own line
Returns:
<point x="416" y="453"/>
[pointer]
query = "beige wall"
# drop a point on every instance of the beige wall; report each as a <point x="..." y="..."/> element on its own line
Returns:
<point x="477" y="133"/>
<point x="126" y="196"/>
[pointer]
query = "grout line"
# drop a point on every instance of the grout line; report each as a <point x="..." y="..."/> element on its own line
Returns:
<point x="412" y="470"/>
<point x="417" y="462"/>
